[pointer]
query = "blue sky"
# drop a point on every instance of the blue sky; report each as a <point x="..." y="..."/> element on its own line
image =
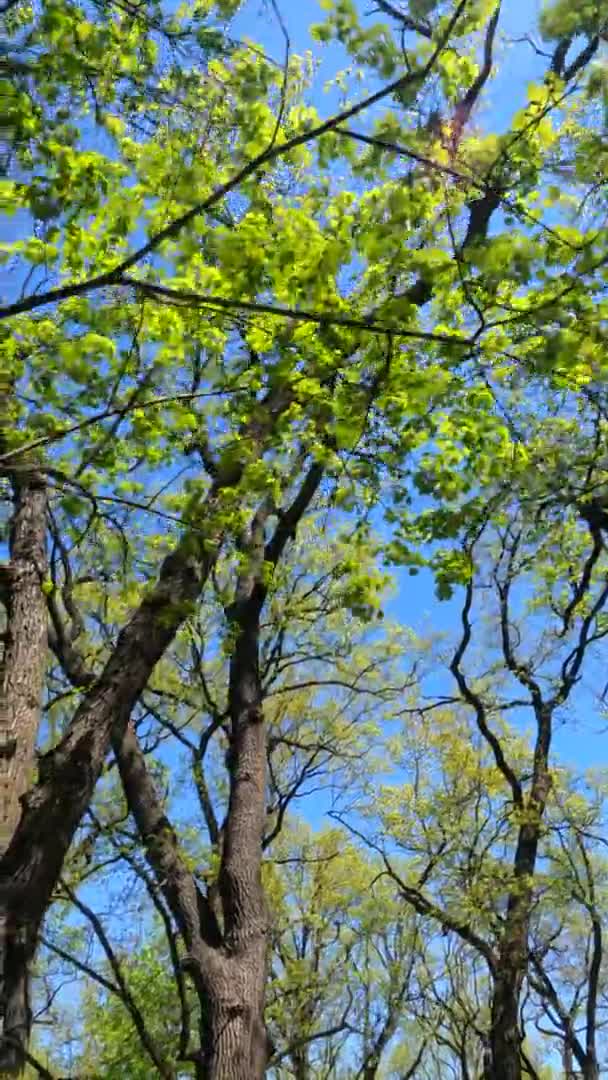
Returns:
<point x="517" y="65"/>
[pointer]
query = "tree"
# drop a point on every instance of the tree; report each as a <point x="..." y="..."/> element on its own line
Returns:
<point x="314" y="641"/>
<point x="335" y="961"/>
<point x="569" y="982"/>
<point x="267" y="341"/>
<point x="475" y="870"/>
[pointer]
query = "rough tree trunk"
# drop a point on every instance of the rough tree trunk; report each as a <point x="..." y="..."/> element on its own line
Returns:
<point x="505" y="1027"/>
<point x="21" y="688"/>
<point x="238" y="1046"/>
<point x="505" y="1031"/>
<point x="227" y="963"/>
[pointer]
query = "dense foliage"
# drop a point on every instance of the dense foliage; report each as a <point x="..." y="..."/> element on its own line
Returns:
<point x="279" y="367"/>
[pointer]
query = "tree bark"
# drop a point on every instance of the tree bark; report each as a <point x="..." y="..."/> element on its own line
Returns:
<point x="227" y="962"/>
<point x="21" y="688"/>
<point x="511" y="968"/>
<point x="229" y="980"/>
<point x="239" y="1048"/>
<point x="505" y="1028"/>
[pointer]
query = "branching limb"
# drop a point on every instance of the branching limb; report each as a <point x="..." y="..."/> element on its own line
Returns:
<point x="131" y="1005"/>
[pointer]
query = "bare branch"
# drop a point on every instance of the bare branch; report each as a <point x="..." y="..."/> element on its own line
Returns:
<point x="473" y="699"/>
<point x="406" y="21"/>
<point x="133" y="1009"/>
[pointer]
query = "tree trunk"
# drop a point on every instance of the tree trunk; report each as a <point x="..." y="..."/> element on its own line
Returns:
<point x="591" y="1070"/>
<point x="22" y="682"/>
<point x="52" y="809"/>
<point x="505" y="1034"/>
<point x="227" y="962"/>
<point x="227" y="965"/>
<point x="229" y="983"/>
<point x="239" y="1048"/>
<point x="505" y="1031"/>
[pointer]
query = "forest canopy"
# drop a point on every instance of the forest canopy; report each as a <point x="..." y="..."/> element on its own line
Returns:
<point x="304" y="504"/>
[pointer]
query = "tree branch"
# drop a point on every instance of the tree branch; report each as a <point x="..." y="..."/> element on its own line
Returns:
<point x="266" y="157"/>
<point x="131" y="1005"/>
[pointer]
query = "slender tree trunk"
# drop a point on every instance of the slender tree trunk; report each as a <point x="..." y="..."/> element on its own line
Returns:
<point x="505" y="1033"/>
<point x="21" y="688"/>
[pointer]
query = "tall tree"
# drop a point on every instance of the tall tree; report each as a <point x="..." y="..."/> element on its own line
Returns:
<point x="222" y="359"/>
<point x="540" y="637"/>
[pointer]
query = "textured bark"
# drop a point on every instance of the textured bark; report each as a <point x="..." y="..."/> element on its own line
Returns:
<point x="239" y="1047"/>
<point x="227" y="965"/>
<point x="25" y="649"/>
<point x="21" y="688"/>
<point x="229" y="982"/>
<point x="509" y="976"/>
<point x="512" y="965"/>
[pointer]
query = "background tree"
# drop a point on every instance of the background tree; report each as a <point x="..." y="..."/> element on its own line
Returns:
<point x="473" y="866"/>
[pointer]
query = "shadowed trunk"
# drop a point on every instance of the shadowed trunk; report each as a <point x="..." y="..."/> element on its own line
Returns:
<point x="22" y="683"/>
<point x="512" y="965"/>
